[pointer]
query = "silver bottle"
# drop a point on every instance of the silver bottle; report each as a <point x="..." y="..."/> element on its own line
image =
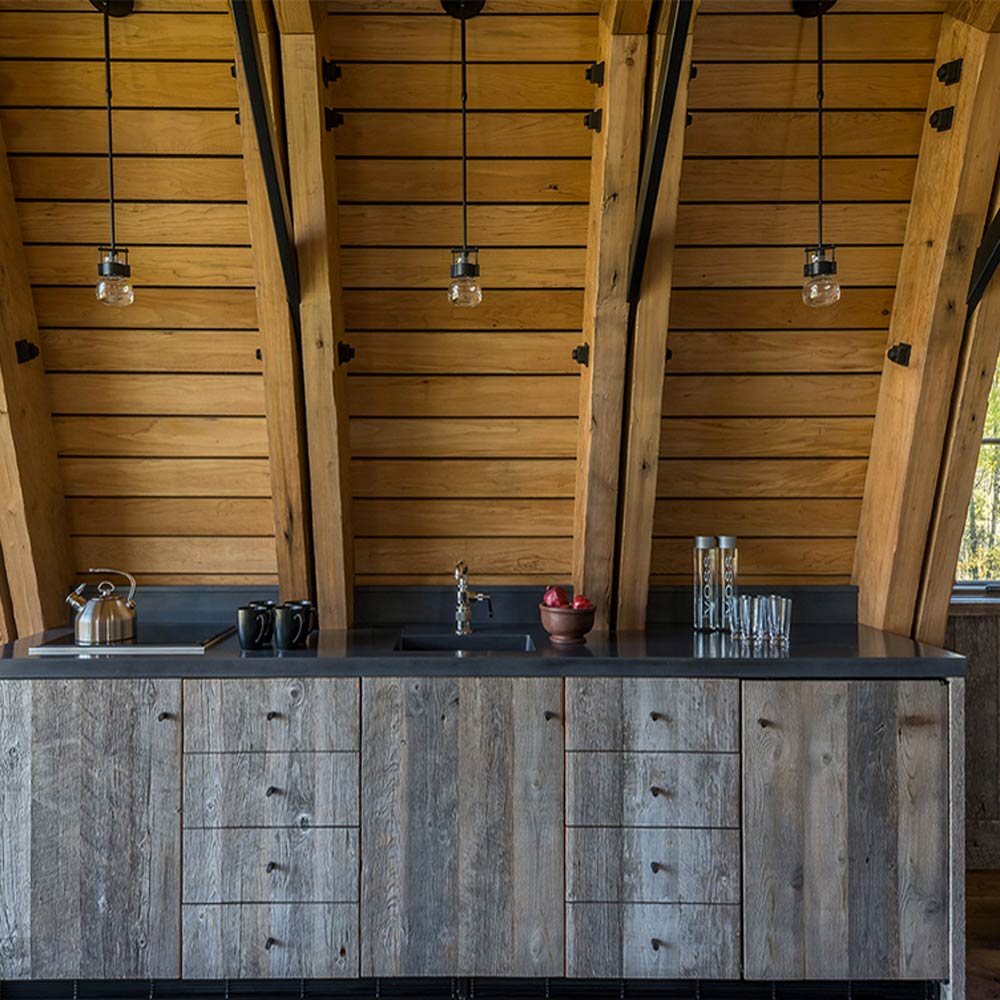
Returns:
<point x="706" y="588"/>
<point x="728" y="568"/>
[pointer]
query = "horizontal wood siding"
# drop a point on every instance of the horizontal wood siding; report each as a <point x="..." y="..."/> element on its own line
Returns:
<point x="158" y="407"/>
<point x="463" y="422"/>
<point x="768" y="404"/>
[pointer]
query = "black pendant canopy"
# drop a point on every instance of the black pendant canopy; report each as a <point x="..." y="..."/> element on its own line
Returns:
<point x="114" y="8"/>
<point x="460" y="9"/>
<point x="804" y="8"/>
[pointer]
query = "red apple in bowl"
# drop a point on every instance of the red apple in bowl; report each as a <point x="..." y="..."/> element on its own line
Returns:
<point x="555" y="597"/>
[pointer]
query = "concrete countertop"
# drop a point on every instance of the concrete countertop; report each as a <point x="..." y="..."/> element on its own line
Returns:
<point x="833" y="650"/>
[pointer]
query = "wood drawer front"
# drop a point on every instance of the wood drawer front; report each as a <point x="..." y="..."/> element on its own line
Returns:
<point x="653" y="714"/>
<point x="308" y="865"/>
<point x="271" y="714"/>
<point x="652" y="941"/>
<point x="271" y="789"/>
<point x="653" y="789"/>
<point x="605" y="864"/>
<point x="276" y="941"/>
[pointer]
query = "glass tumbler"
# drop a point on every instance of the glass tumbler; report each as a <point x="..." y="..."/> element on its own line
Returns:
<point x="780" y="615"/>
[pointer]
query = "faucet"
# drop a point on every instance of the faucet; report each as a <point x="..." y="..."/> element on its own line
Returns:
<point x="463" y="613"/>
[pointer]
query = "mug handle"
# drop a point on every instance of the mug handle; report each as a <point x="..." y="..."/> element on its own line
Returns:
<point x="260" y="618"/>
<point x="300" y="628"/>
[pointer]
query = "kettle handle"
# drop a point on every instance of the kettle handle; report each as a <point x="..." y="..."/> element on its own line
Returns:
<point x="121" y="572"/>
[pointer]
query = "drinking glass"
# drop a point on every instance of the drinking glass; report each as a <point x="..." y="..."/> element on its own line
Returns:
<point x="743" y="619"/>
<point x="780" y="615"/>
<point x="761" y="625"/>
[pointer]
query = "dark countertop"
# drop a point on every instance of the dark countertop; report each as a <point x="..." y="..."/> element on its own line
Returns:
<point x="816" y="651"/>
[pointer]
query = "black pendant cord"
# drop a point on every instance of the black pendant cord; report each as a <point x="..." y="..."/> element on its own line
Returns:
<point x="107" y="94"/>
<point x="465" y="151"/>
<point x="819" y="122"/>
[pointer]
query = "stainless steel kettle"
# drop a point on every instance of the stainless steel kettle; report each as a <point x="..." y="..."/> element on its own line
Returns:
<point x="107" y="618"/>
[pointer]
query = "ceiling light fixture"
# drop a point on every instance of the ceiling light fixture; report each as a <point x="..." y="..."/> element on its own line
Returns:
<point x="114" y="275"/>
<point x="464" y="289"/>
<point x="821" y="287"/>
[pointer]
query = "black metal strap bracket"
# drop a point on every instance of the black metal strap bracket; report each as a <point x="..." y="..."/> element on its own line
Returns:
<point x="595" y="74"/>
<point x="672" y="63"/>
<point x="345" y="352"/>
<point x="594" y="119"/>
<point x="277" y="195"/>
<point x="332" y="119"/>
<point x="581" y="354"/>
<point x="986" y="262"/>
<point x="942" y="118"/>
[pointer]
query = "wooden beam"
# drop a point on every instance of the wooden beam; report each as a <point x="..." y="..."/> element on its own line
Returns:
<point x="645" y="396"/>
<point x="312" y="165"/>
<point x="282" y="368"/>
<point x="627" y="17"/>
<point x="977" y="367"/>
<point x="33" y="529"/>
<point x="614" y="182"/>
<point x="299" y="17"/>
<point x="951" y="195"/>
<point x="981" y="14"/>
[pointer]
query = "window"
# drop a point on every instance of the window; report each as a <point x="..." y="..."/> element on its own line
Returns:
<point x="979" y="557"/>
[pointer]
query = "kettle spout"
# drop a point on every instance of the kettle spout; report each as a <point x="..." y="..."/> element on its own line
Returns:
<point x="75" y="599"/>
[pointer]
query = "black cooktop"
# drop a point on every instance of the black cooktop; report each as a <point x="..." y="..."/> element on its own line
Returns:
<point x="155" y="639"/>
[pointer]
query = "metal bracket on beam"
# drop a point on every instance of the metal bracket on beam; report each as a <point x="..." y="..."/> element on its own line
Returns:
<point x="986" y="262"/>
<point x="25" y="351"/>
<point x="581" y="354"/>
<point x="331" y="72"/>
<point x="594" y="119"/>
<point x="942" y="118"/>
<point x="595" y="74"/>
<point x="332" y="119"/>
<point x="672" y="63"/>
<point x="899" y="354"/>
<point x="345" y="352"/>
<point x="950" y="72"/>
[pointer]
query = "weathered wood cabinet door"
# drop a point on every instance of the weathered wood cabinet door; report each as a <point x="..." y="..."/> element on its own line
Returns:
<point x="462" y="827"/>
<point x="90" y="795"/>
<point x="846" y="799"/>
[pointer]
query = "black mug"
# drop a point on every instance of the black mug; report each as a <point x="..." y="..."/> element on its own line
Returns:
<point x="268" y="608"/>
<point x="291" y="626"/>
<point x="252" y="627"/>
<point x="308" y="610"/>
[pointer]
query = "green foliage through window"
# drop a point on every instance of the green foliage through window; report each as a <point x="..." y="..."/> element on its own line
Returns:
<point x="979" y="557"/>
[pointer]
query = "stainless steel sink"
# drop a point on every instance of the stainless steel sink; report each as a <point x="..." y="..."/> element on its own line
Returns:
<point x="478" y="642"/>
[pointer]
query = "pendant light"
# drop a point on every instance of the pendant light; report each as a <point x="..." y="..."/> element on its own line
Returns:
<point x="114" y="275"/>
<point x="464" y="289"/>
<point x="821" y="287"/>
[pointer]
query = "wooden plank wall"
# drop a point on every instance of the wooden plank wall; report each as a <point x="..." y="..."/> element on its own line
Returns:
<point x="768" y="405"/>
<point x="463" y="422"/>
<point x="158" y="407"/>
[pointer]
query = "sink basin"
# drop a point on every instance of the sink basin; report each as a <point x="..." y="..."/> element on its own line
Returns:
<point x="478" y="642"/>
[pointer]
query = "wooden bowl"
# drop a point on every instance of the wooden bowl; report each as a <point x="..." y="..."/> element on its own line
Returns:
<point x="567" y="626"/>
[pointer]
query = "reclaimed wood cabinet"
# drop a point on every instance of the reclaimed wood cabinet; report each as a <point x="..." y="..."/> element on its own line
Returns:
<point x="652" y="838"/>
<point x="90" y="798"/>
<point x="271" y="813"/>
<point x="462" y="827"/>
<point x="846" y="829"/>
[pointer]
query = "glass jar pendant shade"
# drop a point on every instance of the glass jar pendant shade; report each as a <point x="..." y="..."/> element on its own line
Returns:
<point x="114" y="274"/>
<point x="464" y="290"/>
<point x="821" y="287"/>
